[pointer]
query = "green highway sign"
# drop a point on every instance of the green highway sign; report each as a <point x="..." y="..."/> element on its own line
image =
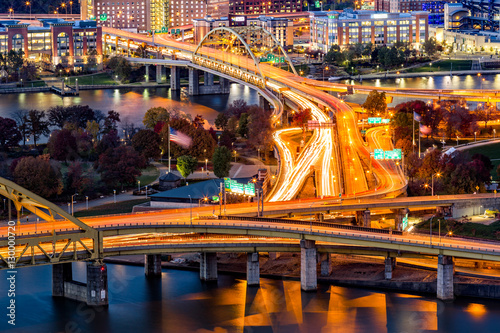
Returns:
<point x="318" y="4"/>
<point x="404" y="223"/>
<point x="215" y="198"/>
<point x="233" y="186"/>
<point x="393" y="154"/>
<point x="374" y="120"/>
<point x="103" y="17"/>
<point x="385" y="121"/>
<point x="378" y="154"/>
<point x="363" y="132"/>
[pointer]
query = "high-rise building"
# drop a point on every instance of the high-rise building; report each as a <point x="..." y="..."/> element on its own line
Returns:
<point x="363" y="26"/>
<point x="218" y="8"/>
<point x="57" y="41"/>
<point x="245" y="7"/>
<point x="182" y="12"/>
<point x="280" y="28"/>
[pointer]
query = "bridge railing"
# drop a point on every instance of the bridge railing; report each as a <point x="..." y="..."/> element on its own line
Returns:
<point x="306" y="223"/>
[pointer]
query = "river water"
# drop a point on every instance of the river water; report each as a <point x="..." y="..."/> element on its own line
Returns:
<point x="180" y="302"/>
<point x="132" y="104"/>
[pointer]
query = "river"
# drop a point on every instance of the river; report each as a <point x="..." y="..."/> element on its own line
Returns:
<point x="132" y="104"/>
<point x="180" y="302"/>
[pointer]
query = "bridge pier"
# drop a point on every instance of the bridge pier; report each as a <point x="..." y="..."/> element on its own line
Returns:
<point x="326" y="264"/>
<point x="175" y="78"/>
<point x="152" y="265"/>
<point x="363" y="218"/>
<point x="194" y="82"/>
<point x="399" y="214"/>
<point x="159" y="73"/>
<point x="263" y="103"/>
<point x="97" y="284"/>
<point x="208" y="79"/>
<point x="208" y="266"/>
<point x="94" y="292"/>
<point x="224" y="85"/>
<point x="146" y="76"/>
<point x="253" y="269"/>
<point x="308" y="274"/>
<point x="445" y="271"/>
<point x="390" y="264"/>
<point x="61" y="273"/>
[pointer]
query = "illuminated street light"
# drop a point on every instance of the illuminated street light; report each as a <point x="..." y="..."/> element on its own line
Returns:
<point x="432" y="181"/>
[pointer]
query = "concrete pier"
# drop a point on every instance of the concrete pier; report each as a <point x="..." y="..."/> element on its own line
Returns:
<point x="208" y="266"/>
<point x="326" y="264"/>
<point x="61" y="273"/>
<point x="253" y="269"/>
<point x="94" y="292"/>
<point x="159" y="77"/>
<point x="224" y="85"/>
<point x="97" y="284"/>
<point x="390" y="264"/>
<point x="175" y="78"/>
<point x="363" y="218"/>
<point x="208" y="79"/>
<point x="194" y="82"/>
<point x="152" y="265"/>
<point x="445" y="271"/>
<point x="147" y="74"/>
<point x="308" y="274"/>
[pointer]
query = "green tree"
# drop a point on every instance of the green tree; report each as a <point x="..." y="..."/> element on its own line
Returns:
<point x="121" y="67"/>
<point x="243" y="125"/>
<point x="186" y="165"/>
<point x="221" y="121"/>
<point x="375" y="103"/>
<point x="9" y="134"/>
<point x="221" y="161"/>
<point x="93" y="129"/>
<point x="147" y="142"/>
<point x="156" y="115"/>
<point x="37" y="125"/>
<point x="430" y="46"/>
<point x="38" y="175"/>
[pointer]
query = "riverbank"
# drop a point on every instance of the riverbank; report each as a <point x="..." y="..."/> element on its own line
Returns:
<point x="351" y="271"/>
<point x="421" y="74"/>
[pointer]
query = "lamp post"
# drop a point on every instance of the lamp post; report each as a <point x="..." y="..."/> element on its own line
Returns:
<point x="258" y="153"/>
<point x="494" y="133"/>
<point x="190" y="210"/>
<point x="146" y="191"/>
<point x="4" y="204"/>
<point x="234" y="151"/>
<point x="475" y="136"/>
<point x="430" y="228"/>
<point x="28" y="4"/>
<point x="206" y="165"/>
<point x="87" y="202"/>
<point x="72" y="200"/>
<point x="114" y="196"/>
<point x="432" y="181"/>
<point x="457" y="140"/>
<point x="204" y="199"/>
<point x="11" y="11"/>
<point x="138" y="187"/>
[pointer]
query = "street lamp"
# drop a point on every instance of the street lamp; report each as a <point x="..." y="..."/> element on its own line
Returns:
<point x="234" y="151"/>
<point x="190" y="210"/>
<point x="138" y="187"/>
<point x="87" y="202"/>
<point x="204" y="199"/>
<point x="475" y="136"/>
<point x="457" y="140"/>
<point x="432" y="181"/>
<point x="28" y="4"/>
<point x="11" y="11"/>
<point x="72" y="211"/>
<point x="114" y="196"/>
<point x="206" y="163"/>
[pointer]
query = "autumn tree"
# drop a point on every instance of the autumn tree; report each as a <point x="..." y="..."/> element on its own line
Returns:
<point x="62" y="145"/>
<point x="9" y="133"/>
<point x="300" y="118"/>
<point x="111" y="121"/>
<point x="186" y="165"/>
<point x="260" y="131"/>
<point x="221" y="161"/>
<point x="147" y="143"/>
<point x="120" y="166"/>
<point x="156" y="115"/>
<point x="237" y="108"/>
<point x="243" y="125"/>
<point x="38" y="176"/>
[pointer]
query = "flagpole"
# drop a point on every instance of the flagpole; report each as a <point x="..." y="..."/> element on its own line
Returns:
<point x="413" y="137"/>
<point x="169" y="148"/>
<point x="419" y="139"/>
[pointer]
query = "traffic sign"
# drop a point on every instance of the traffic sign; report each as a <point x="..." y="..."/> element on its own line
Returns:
<point x="378" y="154"/>
<point x="103" y="17"/>
<point x="374" y="120"/>
<point x="477" y="187"/>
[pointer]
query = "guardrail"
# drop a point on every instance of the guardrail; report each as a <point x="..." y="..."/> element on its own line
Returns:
<point x="313" y="223"/>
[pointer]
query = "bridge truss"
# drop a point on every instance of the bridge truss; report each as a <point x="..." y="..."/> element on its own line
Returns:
<point x="70" y="238"/>
<point x="239" y="52"/>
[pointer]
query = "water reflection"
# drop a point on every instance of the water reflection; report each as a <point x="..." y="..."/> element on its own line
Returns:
<point x="180" y="302"/>
<point x="131" y="103"/>
<point x="437" y="82"/>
